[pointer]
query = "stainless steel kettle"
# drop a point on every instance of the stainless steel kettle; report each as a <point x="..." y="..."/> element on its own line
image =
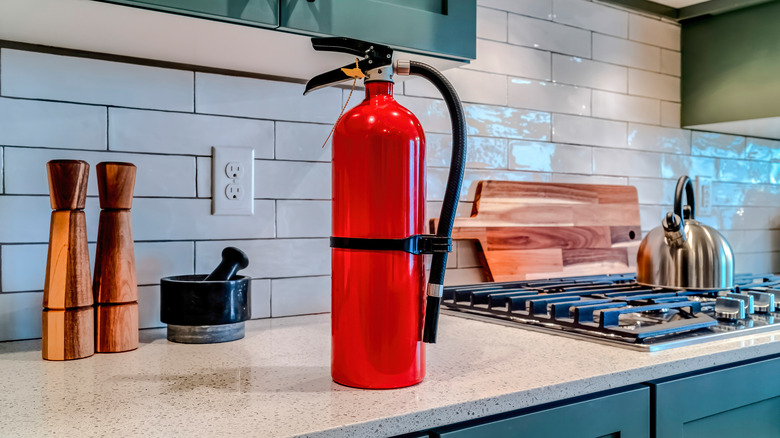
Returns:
<point x="683" y="253"/>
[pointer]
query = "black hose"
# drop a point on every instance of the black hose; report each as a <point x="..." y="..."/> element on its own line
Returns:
<point x="452" y="192"/>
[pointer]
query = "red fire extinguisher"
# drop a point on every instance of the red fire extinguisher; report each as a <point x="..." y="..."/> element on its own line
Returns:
<point x="382" y="311"/>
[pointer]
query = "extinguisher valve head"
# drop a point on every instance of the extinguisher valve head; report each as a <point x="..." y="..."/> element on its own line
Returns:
<point x="402" y="67"/>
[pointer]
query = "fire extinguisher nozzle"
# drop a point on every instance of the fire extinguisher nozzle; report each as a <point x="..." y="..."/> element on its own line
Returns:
<point x="431" y="323"/>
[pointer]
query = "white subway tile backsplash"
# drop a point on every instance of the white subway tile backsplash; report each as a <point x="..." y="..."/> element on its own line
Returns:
<point x="650" y="216"/>
<point x="26" y="171"/>
<point x="302" y="218"/>
<point x="467" y="254"/>
<point x="587" y="73"/>
<point x="675" y="165"/>
<point x="432" y="113"/>
<point x="20" y="316"/>
<point x="52" y="124"/>
<point x="187" y="134"/>
<point x="745" y="218"/>
<point x="588" y="131"/>
<point x="659" y="139"/>
<point x="496" y="121"/>
<point x="744" y="171"/>
<point x="546" y="35"/>
<point x="264" y="99"/>
<point x="626" y="163"/>
<point x="757" y="262"/>
<point x="671" y="62"/>
<point x="507" y="59"/>
<point x="26" y="219"/>
<point x="482" y="152"/>
<point x="54" y="77"/>
<point x="437" y="181"/>
<point x="149" y="307"/>
<point x="190" y="219"/>
<point x="624" y="52"/>
<point x="549" y="157"/>
<point x="654" y="31"/>
<point x="590" y="121"/>
<point x="472" y="86"/>
<point x="532" y="8"/>
<point x="549" y="96"/>
<point x="629" y="108"/>
<point x="711" y="144"/>
<point x="260" y="299"/>
<point x="762" y="149"/>
<point x="302" y="141"/>
<point x="654" y="191"/>
<point x="670" y="114"/>
<point x="292" y="180"/>
<point x="491" y="24"/>
<point x="300" y="296"/>
<point x="456" y="277"/>
<point x="592" y="16"/>
<point x="23" y="268"/>
<point x="571" y="178"/>
<point x="658" y="86"/>
<point x="276" y="258"/>
<point x="203" y="177"/>
<point x="155" y="260"/>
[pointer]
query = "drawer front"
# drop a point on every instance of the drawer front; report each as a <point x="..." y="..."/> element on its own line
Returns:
<point x="738" y="401"/>
<point x="625" y="415"/>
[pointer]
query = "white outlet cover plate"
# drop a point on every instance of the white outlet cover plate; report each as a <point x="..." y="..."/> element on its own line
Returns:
<point x="221" y="204"/>
<point x="703" y="196"/>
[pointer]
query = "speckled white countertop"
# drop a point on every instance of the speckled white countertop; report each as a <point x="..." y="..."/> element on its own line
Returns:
<point x="276" y="382"/>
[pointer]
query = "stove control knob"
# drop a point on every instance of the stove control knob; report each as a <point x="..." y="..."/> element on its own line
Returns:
<point x="762" y="301"/>
<point x="747" y="302"/>
<point x="729" y="309"/>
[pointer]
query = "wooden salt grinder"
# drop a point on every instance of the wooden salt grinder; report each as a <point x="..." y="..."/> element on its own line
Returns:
<point x="115" y="287"/>
<point x="68" y="317"/>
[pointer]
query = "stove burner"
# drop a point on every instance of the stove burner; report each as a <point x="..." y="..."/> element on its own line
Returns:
<point x="616" y="308"/>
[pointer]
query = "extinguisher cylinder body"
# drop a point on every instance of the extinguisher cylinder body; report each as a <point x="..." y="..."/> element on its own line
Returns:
<point x="378" y="193"/>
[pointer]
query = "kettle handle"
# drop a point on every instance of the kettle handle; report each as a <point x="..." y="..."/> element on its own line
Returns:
<point x="684" y="183"/>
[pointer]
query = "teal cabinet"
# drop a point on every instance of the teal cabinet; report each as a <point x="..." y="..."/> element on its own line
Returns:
<point x="262" y="13"/>
<point x="741" y="401"/>
<point x="625" y="414"/>
<point x="442" y="27"/>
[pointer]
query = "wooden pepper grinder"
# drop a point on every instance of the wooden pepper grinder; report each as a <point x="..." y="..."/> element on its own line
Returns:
<point x="115" y="287"/>
<point x="68" y="316"/>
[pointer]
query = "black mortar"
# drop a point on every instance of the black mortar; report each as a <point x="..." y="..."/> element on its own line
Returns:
<point x="199" y="312"/>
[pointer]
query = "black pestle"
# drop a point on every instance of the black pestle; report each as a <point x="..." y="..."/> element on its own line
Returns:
<point x="233" y="260"/>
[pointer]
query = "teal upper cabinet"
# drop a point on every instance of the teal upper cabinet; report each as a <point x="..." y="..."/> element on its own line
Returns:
<point x="263" y="13"/>
<point x="440" y="27"/>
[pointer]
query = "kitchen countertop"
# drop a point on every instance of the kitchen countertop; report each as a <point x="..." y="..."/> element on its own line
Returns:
<point x="276" y="382"/>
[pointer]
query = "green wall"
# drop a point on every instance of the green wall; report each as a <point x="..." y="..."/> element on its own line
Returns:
<point x="731" y="66"/>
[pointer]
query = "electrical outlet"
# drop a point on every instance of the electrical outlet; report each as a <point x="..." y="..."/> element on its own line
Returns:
<point x="232" y="180"/>
<point x="703" y="196"/>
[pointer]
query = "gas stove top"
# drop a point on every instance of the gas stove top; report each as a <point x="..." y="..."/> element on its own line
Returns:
<point x="615" y="309"/>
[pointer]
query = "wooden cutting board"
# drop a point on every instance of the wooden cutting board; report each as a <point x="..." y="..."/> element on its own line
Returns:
<point x="527" y="230"/>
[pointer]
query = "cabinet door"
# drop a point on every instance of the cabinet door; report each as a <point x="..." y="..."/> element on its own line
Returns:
<point x="740" y="401"/>
<point x="622" y="415"/>
<point x="443" y="27"/>
<point x="262" y="13"/>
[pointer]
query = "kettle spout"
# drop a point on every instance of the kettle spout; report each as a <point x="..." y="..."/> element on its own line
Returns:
<point x="674" y="229"/>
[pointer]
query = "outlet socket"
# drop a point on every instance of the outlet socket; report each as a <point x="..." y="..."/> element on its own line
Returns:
<point x="232" y="181"/>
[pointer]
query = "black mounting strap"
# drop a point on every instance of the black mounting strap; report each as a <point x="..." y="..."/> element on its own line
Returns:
<point x="417" y="244"/>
